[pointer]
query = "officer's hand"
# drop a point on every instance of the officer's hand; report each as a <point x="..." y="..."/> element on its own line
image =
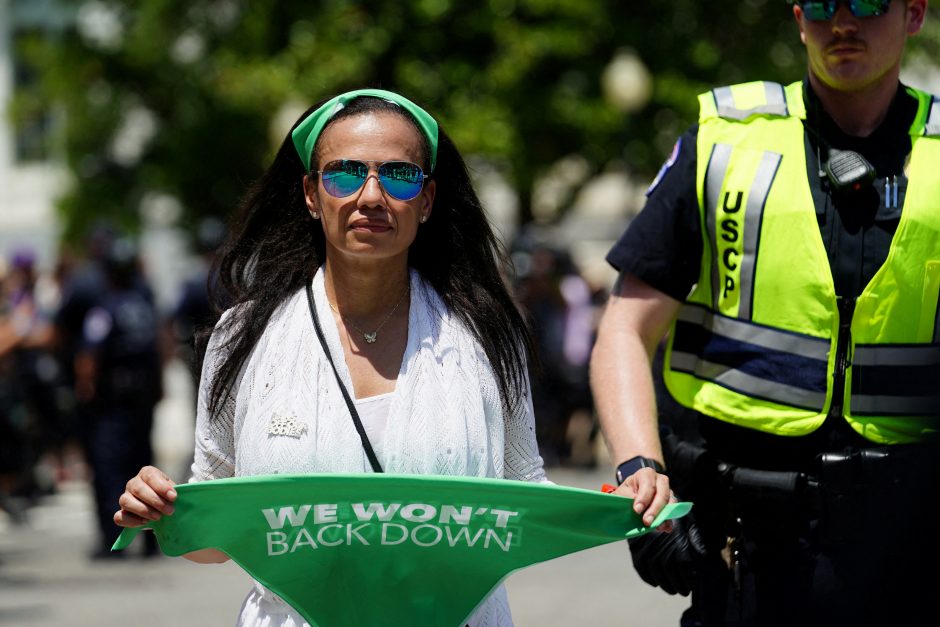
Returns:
<point x="650" y="493"/>
<point x="668" y="560"/>
<point x="148" y="496"/>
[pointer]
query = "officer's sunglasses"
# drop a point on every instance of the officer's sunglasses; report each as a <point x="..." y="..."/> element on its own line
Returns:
<point x="400" y="179"/>
<point x="819" y="11"/>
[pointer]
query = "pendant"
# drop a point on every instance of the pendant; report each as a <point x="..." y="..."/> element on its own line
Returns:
<point x="370" y="337"/>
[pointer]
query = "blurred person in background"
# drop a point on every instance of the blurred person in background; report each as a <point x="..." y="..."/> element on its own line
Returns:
<point x="187" y="326"/>
<point x="193" y="312"/>
<point x="558" y="301"/>
<point x="14" y="443"/>
<point x="118" y="379"/>
<point x="83" y="283"/>
<point x="33" y="421"/>
<point x="791" y="247"/>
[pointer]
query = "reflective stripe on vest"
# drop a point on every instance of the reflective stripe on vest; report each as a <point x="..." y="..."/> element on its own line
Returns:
<point x="756" y="201"/>
<point x="932" y="125"/>
<point x="896" y="380"/>
<point x="752" y="359"/>
<point x="775" y="103"/>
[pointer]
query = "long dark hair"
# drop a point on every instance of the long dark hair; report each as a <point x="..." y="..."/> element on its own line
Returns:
<point x="274" y="248"/>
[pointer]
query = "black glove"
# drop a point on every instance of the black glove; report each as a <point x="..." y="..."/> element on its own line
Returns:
<point x="668" y="560"/>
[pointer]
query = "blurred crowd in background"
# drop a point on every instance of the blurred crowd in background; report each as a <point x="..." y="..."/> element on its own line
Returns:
<point x="82" y="353"/>
<point x="83" y="348"/>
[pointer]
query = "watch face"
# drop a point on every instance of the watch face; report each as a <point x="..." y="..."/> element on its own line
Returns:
<point x="630" y="466"/>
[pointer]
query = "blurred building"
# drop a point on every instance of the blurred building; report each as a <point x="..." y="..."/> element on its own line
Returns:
<point x="30" y="175"/>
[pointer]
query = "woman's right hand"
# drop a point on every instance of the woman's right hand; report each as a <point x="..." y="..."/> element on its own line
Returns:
<point x="148" y="496"/>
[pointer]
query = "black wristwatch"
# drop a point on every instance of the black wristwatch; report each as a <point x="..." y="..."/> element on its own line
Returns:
<point x="633" y="464"/>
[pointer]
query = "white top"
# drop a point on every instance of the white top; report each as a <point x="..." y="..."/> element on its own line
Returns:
<point x="373" y="413"/>
<point x="287" y="415"/>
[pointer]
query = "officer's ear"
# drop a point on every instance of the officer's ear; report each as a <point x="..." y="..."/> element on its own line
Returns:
<point x="916" y="13"/>
<point x="798" y="16"/>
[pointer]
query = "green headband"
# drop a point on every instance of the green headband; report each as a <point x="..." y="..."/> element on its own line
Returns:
<point x="306" y="134"/>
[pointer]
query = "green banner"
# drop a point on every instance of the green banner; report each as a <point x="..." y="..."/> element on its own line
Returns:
<point x="365" y="550"/>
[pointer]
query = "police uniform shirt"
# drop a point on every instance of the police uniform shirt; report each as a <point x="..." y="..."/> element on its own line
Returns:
<point x="663" y="247"/>
<point x="121" y="331"/>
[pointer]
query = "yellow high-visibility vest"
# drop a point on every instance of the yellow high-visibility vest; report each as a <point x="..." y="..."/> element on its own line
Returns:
<point x="755" y="342"/>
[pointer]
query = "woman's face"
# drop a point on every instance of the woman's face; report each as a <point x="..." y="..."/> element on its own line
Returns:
<point x="369" y="223"/>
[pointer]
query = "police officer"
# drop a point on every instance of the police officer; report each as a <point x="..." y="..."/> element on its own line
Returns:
<point x="193" y="313"/>
<point x="791" y="249"/>
<point x="118" y="376"/>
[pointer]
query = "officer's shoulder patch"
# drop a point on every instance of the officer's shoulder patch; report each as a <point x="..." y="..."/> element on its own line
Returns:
<point x="97" y="326"/>
<point x="665" y="167"/>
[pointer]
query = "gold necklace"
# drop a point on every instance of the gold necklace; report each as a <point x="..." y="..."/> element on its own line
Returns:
<point x="370" y="337"/>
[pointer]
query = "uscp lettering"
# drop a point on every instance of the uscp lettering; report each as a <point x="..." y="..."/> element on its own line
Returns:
<point x="730" y="234"/>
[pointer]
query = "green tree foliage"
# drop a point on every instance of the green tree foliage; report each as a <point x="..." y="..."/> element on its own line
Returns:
<point x="181" y="98"/>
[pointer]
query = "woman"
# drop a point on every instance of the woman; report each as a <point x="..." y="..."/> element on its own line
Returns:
<point x="368" y="207"/>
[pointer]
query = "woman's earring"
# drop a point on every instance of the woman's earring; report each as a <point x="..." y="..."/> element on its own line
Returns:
<point x="424" y="219"/>
<point x="315" y="215"/>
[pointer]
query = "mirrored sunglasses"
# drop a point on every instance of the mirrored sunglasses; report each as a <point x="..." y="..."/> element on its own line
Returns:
<point x="400" y="179"/>
<point x="819" y="11"/>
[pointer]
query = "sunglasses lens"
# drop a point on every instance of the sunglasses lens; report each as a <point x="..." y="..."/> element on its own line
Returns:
<point x="402" y="180"/>
<point x="868" y="8"/>
<point x="818" y="11"/>
<point x="342" y="178"/>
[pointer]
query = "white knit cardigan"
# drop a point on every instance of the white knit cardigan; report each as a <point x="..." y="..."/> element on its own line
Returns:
<point x="446" y="417"/>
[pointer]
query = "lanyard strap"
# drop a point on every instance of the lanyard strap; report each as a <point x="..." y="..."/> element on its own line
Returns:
<point x="349" y="403"/>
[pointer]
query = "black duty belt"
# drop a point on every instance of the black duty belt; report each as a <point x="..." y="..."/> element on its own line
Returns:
<point x="852" y="493"/>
